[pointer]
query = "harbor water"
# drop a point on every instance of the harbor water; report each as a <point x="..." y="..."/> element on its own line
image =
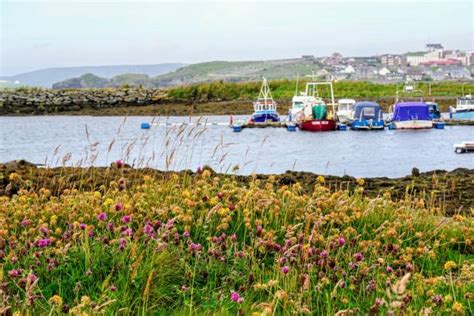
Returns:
<point x="98" y="141"/>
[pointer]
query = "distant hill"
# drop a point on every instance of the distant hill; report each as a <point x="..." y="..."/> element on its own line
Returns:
<point x="93" y="81"/>
<point x="230" y="71"/>
<point x="47" y="77"/>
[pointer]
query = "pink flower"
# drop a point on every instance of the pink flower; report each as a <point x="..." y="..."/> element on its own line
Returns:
<point x="259" y="230"/>
<point x="25" y="222"/>
<point x="119" y="163"/>
<point x="118" y="207"/>
<point x="127" y="232"/>
<point x="341" y="241"/>
<point x="235" y="297"/>
<point x="126" y="219"/>
<point x="285" y="269"/>
<point x="112" y="288"/>
<point x="389" y="269"/>
<point x="324" y="254"/>
<point x="102" y="216"/>
<point x="149" y="230"/>
<point x="358" y="257"/>
<point x="13" y="273"/>
<point x="82" y="226"/>
<point x="122" y="243"/>
<point x="32" y="277"/>
<point x="42" y="243"/>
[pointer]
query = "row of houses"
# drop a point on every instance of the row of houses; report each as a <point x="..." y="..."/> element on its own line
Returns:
<point x="434" y="54"/>
<point x="385" y="73"/>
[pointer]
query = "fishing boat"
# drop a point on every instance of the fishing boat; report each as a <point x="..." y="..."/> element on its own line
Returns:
<point x="345" y="110"/>
<point x="265" y="109"/>
<point x="464" y="109"/>
<point x="317" y="116"/>
<point x="411" y="115"/>
<point x="297" y="105"/>
<point x="367" y="116"/>
<point x="434" y="110"/>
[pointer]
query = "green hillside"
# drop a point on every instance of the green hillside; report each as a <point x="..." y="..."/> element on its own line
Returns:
<point x="228" y="71"/>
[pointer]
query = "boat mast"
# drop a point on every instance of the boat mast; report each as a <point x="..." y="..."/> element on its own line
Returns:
<point x="265" y="92"/>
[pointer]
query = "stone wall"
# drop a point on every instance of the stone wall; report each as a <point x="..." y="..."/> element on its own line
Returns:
<point x="43" y="101"/>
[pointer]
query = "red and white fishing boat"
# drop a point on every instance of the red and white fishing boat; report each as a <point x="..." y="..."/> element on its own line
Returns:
<point x="317" y="115"/>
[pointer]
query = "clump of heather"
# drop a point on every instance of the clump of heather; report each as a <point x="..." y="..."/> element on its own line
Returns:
<point x="209" y="244"/>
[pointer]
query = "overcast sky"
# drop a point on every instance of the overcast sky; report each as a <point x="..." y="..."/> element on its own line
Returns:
<point x="40" y="34"/>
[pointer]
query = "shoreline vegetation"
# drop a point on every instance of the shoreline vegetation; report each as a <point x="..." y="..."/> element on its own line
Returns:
<point x="215" y="98"/>
<point x="118" y="240"/>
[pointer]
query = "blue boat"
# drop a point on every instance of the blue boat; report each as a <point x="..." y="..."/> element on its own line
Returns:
<point x="411" y="115"/>
<point x="464" y="109"/>
<point x="434" y="110"/>
<point x="265" y="109"/>
<point x="367" y="116"/>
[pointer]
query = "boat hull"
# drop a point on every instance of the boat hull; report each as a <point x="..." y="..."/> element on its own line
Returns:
<point x="367" y="125"/>
<point x="317" y="125"/>
<point x="463" y="115"/>
<point x="413" y="124"/>
<point x="345" y="116"/>
<point x="265" y="117"/>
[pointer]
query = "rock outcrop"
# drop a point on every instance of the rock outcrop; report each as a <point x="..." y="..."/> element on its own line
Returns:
<point x="43" y="101"/>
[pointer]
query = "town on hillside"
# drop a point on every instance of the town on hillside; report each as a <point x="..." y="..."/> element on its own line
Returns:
<point x="435" y="63"/>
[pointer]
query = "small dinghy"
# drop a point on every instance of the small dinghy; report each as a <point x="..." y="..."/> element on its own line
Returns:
<point x="265" y="109"/>
<point x="464" y="147"/>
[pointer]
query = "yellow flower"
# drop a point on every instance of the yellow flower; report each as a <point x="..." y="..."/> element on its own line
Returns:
<point x="13" y="176"/>
<point x="450" y="265"/>
<point x="360" y="181"/>
<point x="56" y="300"/>
<point x="85" y="300"/>
<point x="457" y="307"/>
<point x="320" y="179"/>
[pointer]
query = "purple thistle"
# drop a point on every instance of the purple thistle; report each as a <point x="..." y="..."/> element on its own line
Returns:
<point x="359" y="257"/>
<point x="43" y="243"/>
<point x="122" y="243"/>
<point x="126" y="219"/>
<point x="341" y="241"/>
<point x="102" y="216"/>
<point x="25" y="222"/>
<point x="235" y="297"/>
<point x="118" y="207"/>
<point x="13" y="273"/>
<point x="285" y="269"/>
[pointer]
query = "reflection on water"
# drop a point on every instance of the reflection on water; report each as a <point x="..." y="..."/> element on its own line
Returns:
<point x="85" y="140"/>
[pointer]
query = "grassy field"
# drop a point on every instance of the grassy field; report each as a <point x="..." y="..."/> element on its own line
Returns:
<point x="202" y="243"/>
<point x="285" y="89"/>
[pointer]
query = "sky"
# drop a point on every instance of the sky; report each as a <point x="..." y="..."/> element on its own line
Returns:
<point x="41" y="34"/>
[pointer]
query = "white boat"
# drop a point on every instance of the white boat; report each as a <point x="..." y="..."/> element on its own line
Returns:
<point x="464" y="109"/>
<point x="345" y="110"/>
<point x="464" y="147"/>
<point x="298" y="102"/>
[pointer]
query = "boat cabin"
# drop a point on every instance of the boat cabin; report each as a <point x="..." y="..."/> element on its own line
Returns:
<point x="408" y="111"/>
<point x="368" y="111"/>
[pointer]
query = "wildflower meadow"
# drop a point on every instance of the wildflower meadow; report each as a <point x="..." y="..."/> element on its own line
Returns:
<point x="201" y="243"/>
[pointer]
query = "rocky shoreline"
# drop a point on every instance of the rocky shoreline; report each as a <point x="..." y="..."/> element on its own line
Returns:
<point x="449" y="192"/>
<point x="134" y="101"/>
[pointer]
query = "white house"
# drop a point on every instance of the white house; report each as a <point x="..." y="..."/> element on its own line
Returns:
<point x="384" y="71"/>
<point x="348" y="70"/>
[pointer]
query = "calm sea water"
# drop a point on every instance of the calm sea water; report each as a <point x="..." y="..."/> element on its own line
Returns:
<point x="85" y="140"/>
